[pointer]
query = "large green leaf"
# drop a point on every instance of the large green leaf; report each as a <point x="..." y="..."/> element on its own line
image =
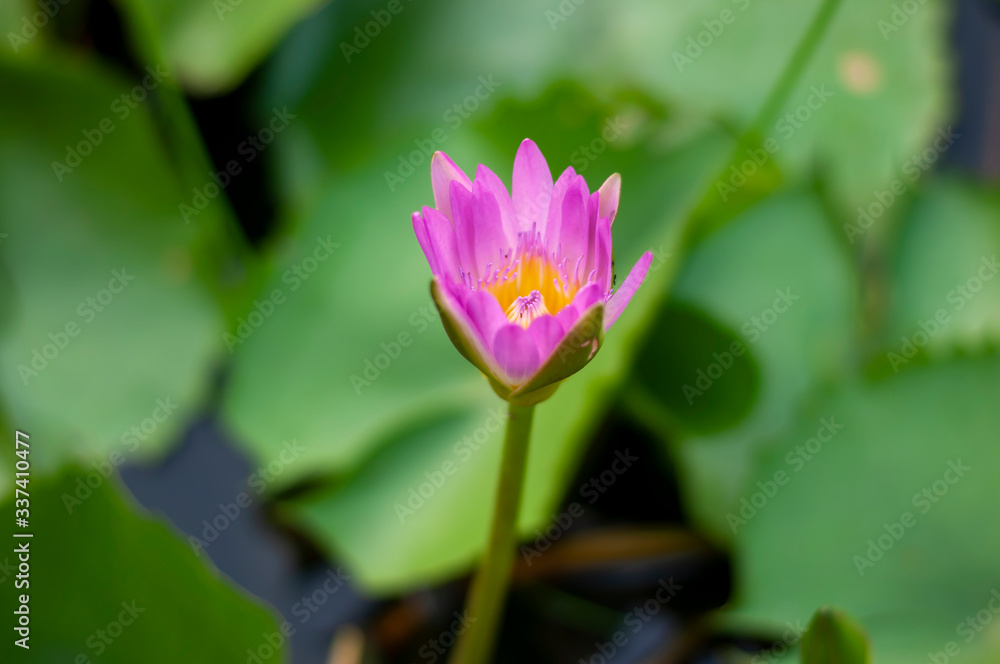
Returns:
<point x="779" y="255"/>
<point x="110" y="333"/>
<point x="882" y="95"/>
<point x="212" y="45"/>
<point x="106" y="585"/>
<point x="890" y="518"/>
<point x="944" y="292"/>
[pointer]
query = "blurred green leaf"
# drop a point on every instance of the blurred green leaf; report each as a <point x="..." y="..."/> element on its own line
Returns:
<point x="107" y="585"/>
<point x="721" y="379"/>
<point x="112" y="332"/>
<point x="833" y="638"/>
<point x="212" y="46"/>
<point x="865" y="108"/>
<point x="776" y="276"/>
<point x="943" y="291"/>
<point x="886" y="517"/>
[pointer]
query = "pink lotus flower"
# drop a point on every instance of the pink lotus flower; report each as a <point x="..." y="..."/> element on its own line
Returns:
<point x="524" y="283"/>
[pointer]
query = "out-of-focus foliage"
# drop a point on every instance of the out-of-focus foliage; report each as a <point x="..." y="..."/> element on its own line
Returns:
<point x="340" y="348"/>
<point x="111" y="335"/>
<point x="834" y="638"/>
<point x="127" y="590"/>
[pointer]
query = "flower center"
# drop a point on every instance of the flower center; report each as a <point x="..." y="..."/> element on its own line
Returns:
<point x="532" y="281"/>
<point x="525" y="309"/>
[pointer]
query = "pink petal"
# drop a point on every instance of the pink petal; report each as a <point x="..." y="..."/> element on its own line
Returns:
<point x="488" y="179"/>
<point x="420" y="229"/>
<point x="491" y="242"/>
<point x="588" y="296"/>
<point x="568" y="316"/>
<point x="475" y="348"/>
<point x="441" y="236"/>
<point x="532" y="186"/>
<point x="573" y="234"/>
<point x="621" y="297"/>
<point x="553" y="222"/>
<point x="610" y="192"/>
<point x="547" y="332"/>
<point x="486" y="313"/>
<point x="515" y="352"/>
<point x="593" y="207"/>
<point x="465" y="228"/>
<point x="604" y="275"/>
<point x="443" y="173"/>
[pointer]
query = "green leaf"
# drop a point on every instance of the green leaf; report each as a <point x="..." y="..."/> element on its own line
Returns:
<point x="833" y="638"/>
<point x="111" y="332"/>
<point x="781" y="249"/>
<point x="213" y="46"/>
<point x="111" y="586"/>
<point x="701" y="373"/>
<point x="943" y="293"/>
<point x="886" y="517"/>
<point x="889" y="91"/>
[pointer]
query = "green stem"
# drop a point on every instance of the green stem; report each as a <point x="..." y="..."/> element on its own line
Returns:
<point x="489" y="587"/>
<point x="775" y="101"/>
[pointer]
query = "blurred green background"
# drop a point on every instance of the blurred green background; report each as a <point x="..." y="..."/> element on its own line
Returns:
<point x="206" y="264"/>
